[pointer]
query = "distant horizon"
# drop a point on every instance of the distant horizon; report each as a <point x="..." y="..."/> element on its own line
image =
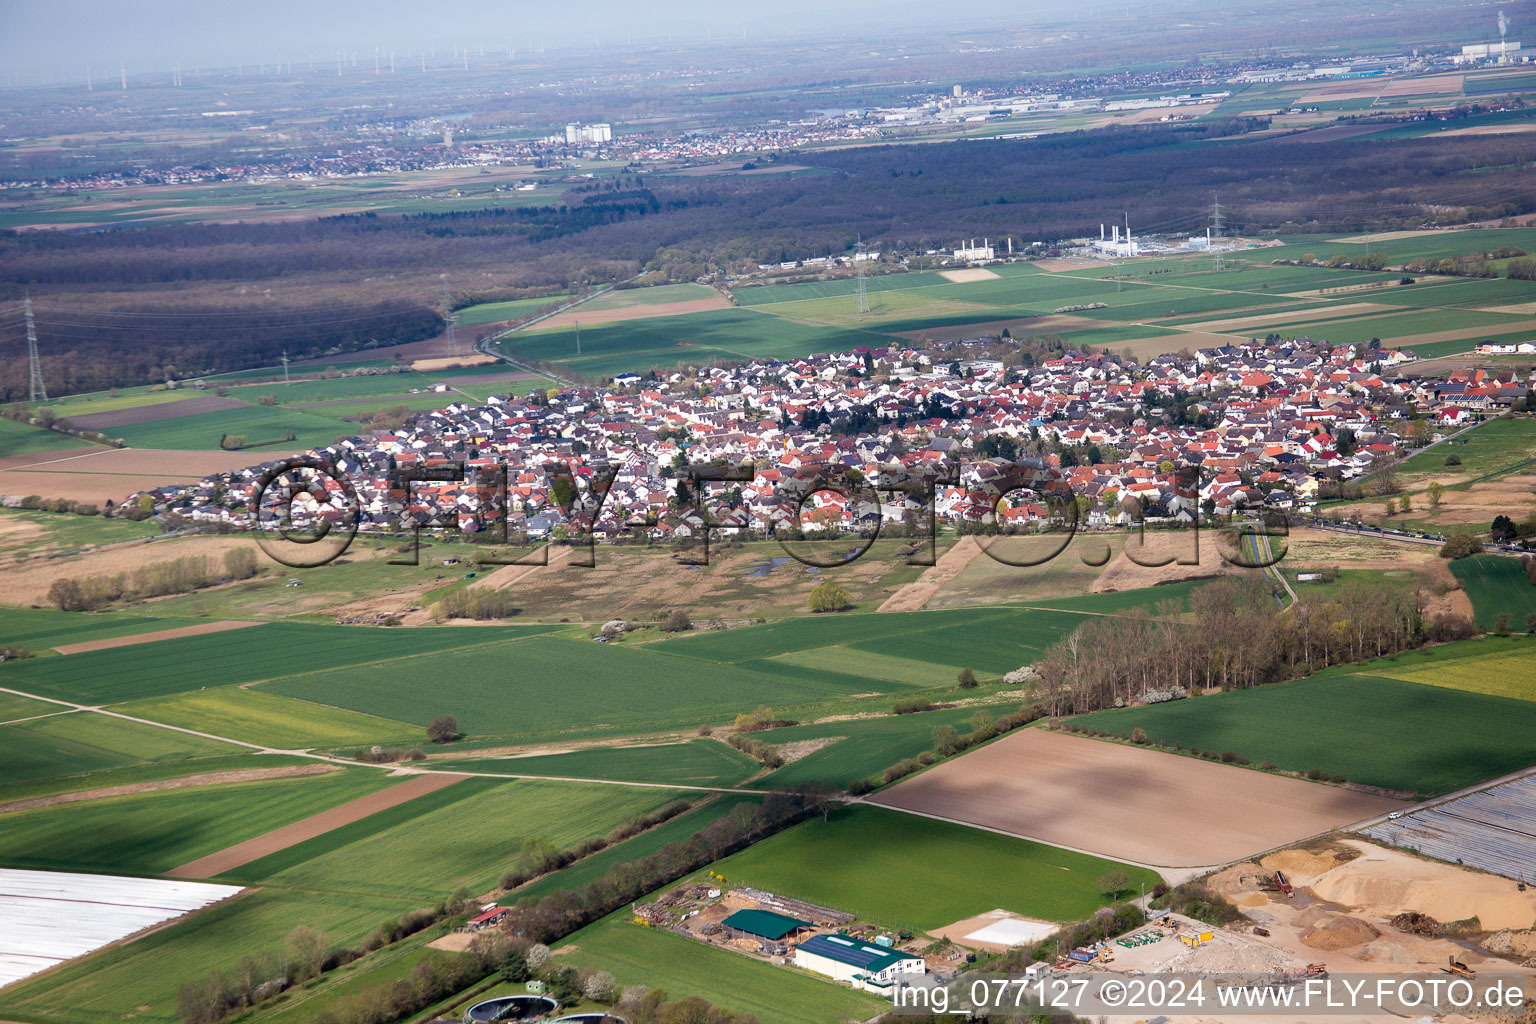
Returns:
<point x="60" y="40"/>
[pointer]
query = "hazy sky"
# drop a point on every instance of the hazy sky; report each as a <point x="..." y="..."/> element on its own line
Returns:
<point x="145" y="33"/>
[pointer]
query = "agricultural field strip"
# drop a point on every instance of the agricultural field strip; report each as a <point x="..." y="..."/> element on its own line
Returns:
<point x="349" y="763"/>
<point x="185" y="641"/>
<point x="1178" y="284"/>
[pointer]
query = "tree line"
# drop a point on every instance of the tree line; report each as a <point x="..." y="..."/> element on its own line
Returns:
<point x="1235" y="638"/>
<point x="176" y="576"/>
<point x="552" y="917"/>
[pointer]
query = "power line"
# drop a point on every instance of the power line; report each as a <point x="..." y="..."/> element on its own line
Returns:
<point x="448" y="314"/>
<point x="862" y="300"/>
<point x="36" y="391"/>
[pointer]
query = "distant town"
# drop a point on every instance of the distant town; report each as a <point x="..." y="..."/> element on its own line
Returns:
<point x="1263" y="424"/>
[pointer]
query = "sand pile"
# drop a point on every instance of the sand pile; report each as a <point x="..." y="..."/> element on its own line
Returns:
<point x="1385" y="951"/>
<point x="1443" y="892"/>
<point x="1310" y="916"/>
<point x="1512" y="943"/>
<point x="1338" y="931"/>
<point x="1240" y="956"/>
<point x="1300" y="866"/>
<point x="1240" y="878"/>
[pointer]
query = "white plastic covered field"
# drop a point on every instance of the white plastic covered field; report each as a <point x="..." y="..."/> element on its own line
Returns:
<point x="47" y="917"/>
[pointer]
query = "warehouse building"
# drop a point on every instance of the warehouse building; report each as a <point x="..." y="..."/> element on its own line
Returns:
<point x="773" y="932"/>
<point x="862" y="964"/>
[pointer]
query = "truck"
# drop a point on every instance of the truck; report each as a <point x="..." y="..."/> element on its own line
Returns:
<point x="1457" y="967"/>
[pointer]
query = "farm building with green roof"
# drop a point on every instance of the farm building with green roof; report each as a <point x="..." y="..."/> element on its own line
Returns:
<point x="768" y="928"/>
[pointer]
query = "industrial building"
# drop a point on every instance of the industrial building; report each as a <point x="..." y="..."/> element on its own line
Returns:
<point x="1114" y="245"/>
<point x="576" y="134"/>
<point x="862" y="964"/>
<point x="971" y="252"/>
<point x="1500" y="53"/>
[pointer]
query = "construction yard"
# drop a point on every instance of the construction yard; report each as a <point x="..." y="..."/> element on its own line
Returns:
<point x="1348" y="905"/>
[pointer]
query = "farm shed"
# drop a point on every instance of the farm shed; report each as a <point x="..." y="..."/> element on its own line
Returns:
<point x="768" y="928"/>
<point x="490" y="917"/>
<point x="862" y="964"/>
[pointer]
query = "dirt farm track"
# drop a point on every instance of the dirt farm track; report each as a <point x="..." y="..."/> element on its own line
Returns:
<point x="1123" y="802"/>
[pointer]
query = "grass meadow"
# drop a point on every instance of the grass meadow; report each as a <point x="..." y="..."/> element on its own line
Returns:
<point x="268" y="651"/>
<point x="62" y="531"/>
<point x="859" y="748"/>
<point x="947" y="872"/>
<point x="546" y="688"/>
<point x="708" y="338"/>
<point x="258" y="717"/>
<point x="685" y="967"/>
<point x="468" y="842"/>
<point x="1357" y="721"/>
<point x="1494" y="447"/>
<point x="25" y="439"/>
<point x="81" y="742"/>
<point x="674" y="830"/>
<point x="154" y="832"/>
<point x="1497" y="585"/>
<point x="693" y="763"/>
<point x="80" y="779"/>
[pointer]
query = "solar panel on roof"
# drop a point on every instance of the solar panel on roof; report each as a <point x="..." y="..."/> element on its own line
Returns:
<point x="848" y="951"/>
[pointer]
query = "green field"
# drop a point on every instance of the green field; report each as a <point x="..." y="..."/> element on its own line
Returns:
<point x="139" y="980"/>
<point x="1354" y="721"/>
<point x="155" y="832"/>
<point x="1497" y="584"/>
<point x="784" y="321"/>
<point x="654" y="295"/>
<point x="989" y="640"/>
<point x="24" y="533"/>
<point x="41" y="628"/>
<point x="673" y="830"/>
<point x="694" y="763"/>
<point x="467" y="842"/>
<point x="684" y="967"/>
<point x="768" y="294"/>
<point x="1432" y="245"/>
<point x="267" y="651"/>
<point x="24" y="439"/>
<point x="947" y="872"/>
<point x="1501" y="666"/>
<point x="272" y="721"/>
<point x="547" y="687"/>
<point x="334" y="388"/>
<point x="496" y="312"/>
<point x="388" y="966"/>
<point x="1392" y="329"/>
<point x="178" y="767"/>
<point x="1436" y="349"/>
<point x="1494" y="447"/>
<point x="13" y="707"/>
<point x="126" y="398"/>
<point x="259" y="425"/>
<point x="80" y="742"/>
<point x="860" y="748"/>
<point x="716" y="336"/>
